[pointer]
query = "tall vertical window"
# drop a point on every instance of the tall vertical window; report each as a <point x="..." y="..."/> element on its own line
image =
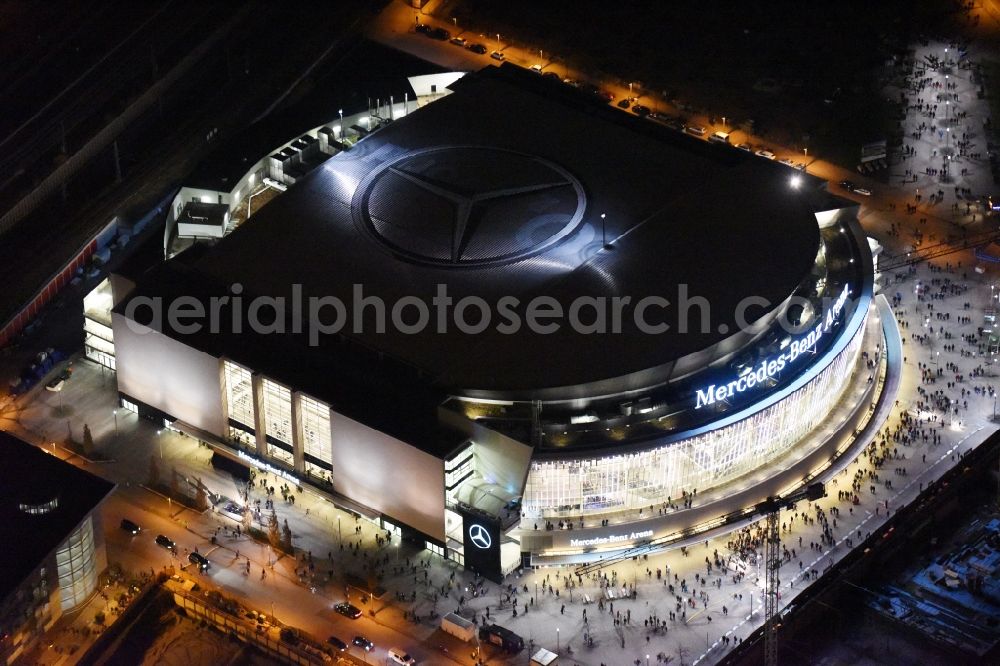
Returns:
<point x="316" y="441"/>
<point x="76" y="567"/>
<point x="239" y="395"/>
<point x="278" y="421"/>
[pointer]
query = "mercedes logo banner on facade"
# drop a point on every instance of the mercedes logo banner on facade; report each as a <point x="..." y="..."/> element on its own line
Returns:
<point x="479" y="537"/>
<point x="481" y="544"/>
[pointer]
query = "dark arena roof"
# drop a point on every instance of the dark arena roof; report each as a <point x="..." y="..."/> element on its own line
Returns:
<point x="498" y="190"/>
<point x="33" y="478"/>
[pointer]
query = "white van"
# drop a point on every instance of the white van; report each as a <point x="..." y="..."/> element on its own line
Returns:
<point x="398" y="656"/>
<point x="696" y="130"/>
<point x="719" y="137"/>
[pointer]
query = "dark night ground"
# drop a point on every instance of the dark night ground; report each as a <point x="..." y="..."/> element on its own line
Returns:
<point x="712" y="54"/>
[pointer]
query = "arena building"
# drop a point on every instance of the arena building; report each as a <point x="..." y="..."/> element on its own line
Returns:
<point x="557" y="322"/>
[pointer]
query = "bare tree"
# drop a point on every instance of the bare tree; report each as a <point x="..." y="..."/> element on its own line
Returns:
<point x="247" y="517"/>
<point x="273" y="531"/>
<point x="88" y="440"/>
<point x="286" y="537"/>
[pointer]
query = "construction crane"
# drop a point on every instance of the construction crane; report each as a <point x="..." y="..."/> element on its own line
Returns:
<point x="771" y="509"/>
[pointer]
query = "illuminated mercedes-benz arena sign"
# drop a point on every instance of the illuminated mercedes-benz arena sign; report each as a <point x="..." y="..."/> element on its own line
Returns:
<point x="487" y="445"/>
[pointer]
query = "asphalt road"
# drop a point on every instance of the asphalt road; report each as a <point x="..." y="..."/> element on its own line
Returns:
<point x="292" y="604"/>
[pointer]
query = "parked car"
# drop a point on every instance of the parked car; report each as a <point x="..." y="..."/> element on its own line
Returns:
<point x="165" y="542"/>
<point x="851" y="186"/>
<point x="673" y="122"/>
<point x="337" y="644"/>
<point x="459" y="41"/>
<point x="746" y="147"/>
<point x="640" y="110"/>
<point x="398" y="656"/>
<point x="440" y="34"/>
<point x="497" y="55"/>
<point x="199" y="561"/>
<point x="477" y="48"/>
<point x="363" y="643"/>
<point x="537" y="69"/>
<point x="348" y="610"/>
<point x="766" y="154"/>
<point x="423" y="27"/>
<point x="290" y="635"/>
<point x="624" y="103"/>
<point x="130" y="527"/>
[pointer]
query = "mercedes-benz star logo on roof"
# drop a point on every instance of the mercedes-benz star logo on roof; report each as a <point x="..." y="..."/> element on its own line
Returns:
<point x="479" y="537"/>
<point x="468" y="206"/>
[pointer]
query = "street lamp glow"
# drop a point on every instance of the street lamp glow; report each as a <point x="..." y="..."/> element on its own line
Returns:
<point x="795" y="181"/>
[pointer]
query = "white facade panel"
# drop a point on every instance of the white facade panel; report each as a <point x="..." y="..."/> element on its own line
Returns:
<point x="388" y="475"/>
<point x="168" y="375"/>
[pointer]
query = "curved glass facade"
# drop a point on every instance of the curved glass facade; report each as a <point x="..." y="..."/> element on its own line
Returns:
<point x="76" y="566"/>
<point x="640" y="479"/>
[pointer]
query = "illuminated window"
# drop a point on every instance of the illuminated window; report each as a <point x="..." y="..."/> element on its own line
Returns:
<point x="316" y="441"/>
<point x="239" y="395"/>
<point x="36" y="509"/>
<point x="278" y="421"/>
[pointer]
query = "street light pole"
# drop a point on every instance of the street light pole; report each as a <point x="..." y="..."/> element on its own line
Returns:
<point x="557" y="640"/>
<point x="498" y="42"/>
<point x="604" y="238"/>
<point x="114" y="412"/>
<point x="342" y="132"/>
